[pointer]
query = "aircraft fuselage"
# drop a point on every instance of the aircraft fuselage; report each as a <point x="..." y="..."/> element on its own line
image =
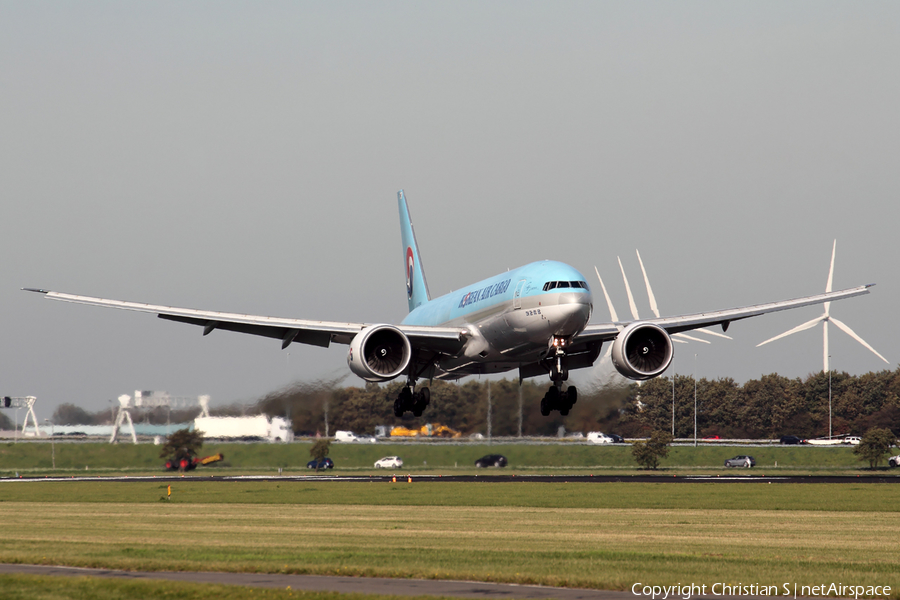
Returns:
<point x="512" y="318"/>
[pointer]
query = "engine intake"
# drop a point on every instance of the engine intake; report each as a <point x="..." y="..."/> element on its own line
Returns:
<point x="379" y="353"/>
<point x="642" y="351"/>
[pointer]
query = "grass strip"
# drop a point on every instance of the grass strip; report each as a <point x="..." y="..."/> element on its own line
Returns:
<point x="606" y="536"/>
<point x="871" y="497"/>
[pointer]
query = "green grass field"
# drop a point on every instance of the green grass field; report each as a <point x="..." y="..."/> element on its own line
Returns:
<point x="606" y="536"/>
<point x="35" y="458"/>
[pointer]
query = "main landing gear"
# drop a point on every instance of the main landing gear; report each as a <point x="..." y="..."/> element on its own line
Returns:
<point x="556" y="398"/>
<point x="414" y="402"/>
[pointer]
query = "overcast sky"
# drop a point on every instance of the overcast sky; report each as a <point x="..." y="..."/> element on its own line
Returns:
<point x="245" y="157"/>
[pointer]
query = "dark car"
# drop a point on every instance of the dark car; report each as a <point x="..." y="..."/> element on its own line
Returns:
<point x="617" y="439"/>
<point x="791" y="439"/>
<point x="491" y="460"/>
<point x="325" y="464"/>
<point x="741" y="461"/>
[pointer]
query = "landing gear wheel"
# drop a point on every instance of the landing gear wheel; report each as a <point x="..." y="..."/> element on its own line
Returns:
<point x="413" y="402"/>
<point x="545" y="408"/>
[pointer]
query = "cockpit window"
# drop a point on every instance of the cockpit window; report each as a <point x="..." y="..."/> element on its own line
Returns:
<point x="552" y="285"/>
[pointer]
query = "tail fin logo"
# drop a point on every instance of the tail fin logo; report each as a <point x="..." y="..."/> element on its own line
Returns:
<point x="410" y="263"/>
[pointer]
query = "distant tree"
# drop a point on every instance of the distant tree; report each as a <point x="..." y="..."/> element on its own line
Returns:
<point x="69" y="414"/>
<point x="182" y="444"/>
<point x="6" y="423"/>
<point x="648" y="453"/>
<point x="875" y="445"/>
<point x="319" y="451"/>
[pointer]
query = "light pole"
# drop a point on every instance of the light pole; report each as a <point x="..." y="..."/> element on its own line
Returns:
<point x="489" y="407"/>
<point x="520" y="408"/>
<point x="695" y="400"/>
<point x="829" y="397"/>
<point x="52" y="444"/>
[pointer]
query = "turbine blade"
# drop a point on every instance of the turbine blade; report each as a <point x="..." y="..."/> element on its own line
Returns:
<point x="653" y="305"/>
<point x="715" y="333"/>
<point x="830" y="277"/>
<point x="802" y="327"/>
<point x="843" y="327"/>
<point x="631" y="304"/>
<point x="612" y="311"/>
<point x="690" y="337"/>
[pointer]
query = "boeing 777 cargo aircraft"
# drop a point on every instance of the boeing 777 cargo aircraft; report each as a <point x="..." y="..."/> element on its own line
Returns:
<point x="534" y="319"/>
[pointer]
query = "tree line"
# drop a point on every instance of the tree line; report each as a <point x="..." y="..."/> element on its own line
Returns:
<point x="768" y="407"/>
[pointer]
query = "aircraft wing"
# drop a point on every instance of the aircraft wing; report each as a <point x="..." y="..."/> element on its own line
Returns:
<point x="609" y="331"/>
<point x="316" y="333"/>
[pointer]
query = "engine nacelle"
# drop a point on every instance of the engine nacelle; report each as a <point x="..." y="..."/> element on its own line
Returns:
<point x="642" y="351"/>
<point x="379" y="353"/>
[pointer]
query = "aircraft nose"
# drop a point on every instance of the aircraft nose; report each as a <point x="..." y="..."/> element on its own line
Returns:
<point x="575" y="310"/>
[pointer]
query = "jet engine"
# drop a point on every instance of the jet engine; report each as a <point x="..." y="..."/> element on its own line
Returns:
<point x="642" y="351"/>
<point x="379" y="353"/>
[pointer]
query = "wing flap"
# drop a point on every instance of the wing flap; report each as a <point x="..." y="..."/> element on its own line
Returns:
<point x="316" y="333"/>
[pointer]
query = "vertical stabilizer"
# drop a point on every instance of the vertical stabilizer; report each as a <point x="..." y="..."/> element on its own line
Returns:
<point x="416" y="286"/>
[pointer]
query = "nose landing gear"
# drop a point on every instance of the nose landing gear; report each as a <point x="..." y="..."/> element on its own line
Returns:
<point x="556" y="398"/>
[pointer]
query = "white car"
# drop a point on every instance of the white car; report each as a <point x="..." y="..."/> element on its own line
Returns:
<point x="852" y="439"/>
<point x="389" y="462"/>
<point x="894" y="461"/>
<point x="344" y="436"/>
<point x="598" y="437"/>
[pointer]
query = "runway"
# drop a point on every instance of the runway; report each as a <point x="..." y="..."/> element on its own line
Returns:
<point x="345" y="585"/>
<point x="352" y="585"/>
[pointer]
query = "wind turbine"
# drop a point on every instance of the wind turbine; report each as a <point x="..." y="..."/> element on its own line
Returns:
<point x="655" y="308"/>
<point x="653" y="305"/>
<point x="824" y="319"/>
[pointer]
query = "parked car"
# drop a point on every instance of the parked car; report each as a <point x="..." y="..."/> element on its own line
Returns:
<point x="491" y="460"/>
<point x="598" y="437"/>
<point x="852" y="439"/>
<point x="325" y="464"/>
<point x="388" y="462"/>
<point x="791" y="439"/>
<point x="894" y="461"/>
<point x="617" y="439"/>
<point x="741" y="461"/>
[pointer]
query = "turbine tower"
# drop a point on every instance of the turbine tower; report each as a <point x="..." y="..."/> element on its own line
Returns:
<point x="824" y="319"/>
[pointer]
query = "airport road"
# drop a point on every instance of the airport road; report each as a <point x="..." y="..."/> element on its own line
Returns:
<point x="738" y="477"/>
